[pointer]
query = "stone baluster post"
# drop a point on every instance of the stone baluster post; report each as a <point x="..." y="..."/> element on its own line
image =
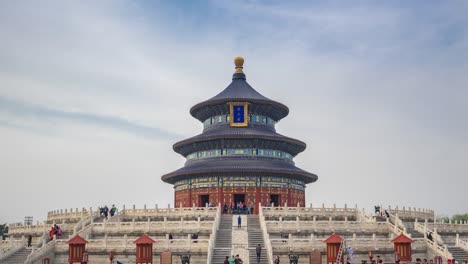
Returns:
<point x="125" y="241"/>
<point x="289" y="240"/>
<point x="189" y="240"/>
<point x="354" y="236"/>
<point x="198" y="222"/>
<point x="298" y="224"/>
<point x="165" y="223"/>
<point x="133" y="224"/>
<point x="105" y="241"/>
<point x="457" y="240"/>
<point x="148" y="225"/>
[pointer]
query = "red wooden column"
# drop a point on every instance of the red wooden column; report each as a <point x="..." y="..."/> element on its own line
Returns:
<point x="76" y="249"/>
<point x="144" y="250"/>
<point x="402" y="245"/>
<point x="333" y="246"/>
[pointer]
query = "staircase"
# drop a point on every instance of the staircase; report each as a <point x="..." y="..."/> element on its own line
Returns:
<point x="223" y="241"/>
<point x="255" y="238"/>
<point x="458" y="253"/>
<point x="18" y="257"/>
<point x="410" y="230"/>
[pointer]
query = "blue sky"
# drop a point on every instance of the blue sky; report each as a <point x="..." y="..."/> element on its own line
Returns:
<point x="94" y="94"/>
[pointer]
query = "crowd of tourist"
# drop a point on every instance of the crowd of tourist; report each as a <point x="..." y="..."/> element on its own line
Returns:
<point x="238" y="208"/>
<point x="104" y="211"/>
<point x="55" y="231"/>
<point x="233" y="260"/>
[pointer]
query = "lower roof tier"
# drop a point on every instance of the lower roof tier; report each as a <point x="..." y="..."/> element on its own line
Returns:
<point x="250" y="167"/>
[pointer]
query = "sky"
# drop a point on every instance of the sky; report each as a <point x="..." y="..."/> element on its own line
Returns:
<point x="93" y="94"/>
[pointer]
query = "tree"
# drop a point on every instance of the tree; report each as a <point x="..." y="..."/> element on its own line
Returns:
<point x="460" y="217"/>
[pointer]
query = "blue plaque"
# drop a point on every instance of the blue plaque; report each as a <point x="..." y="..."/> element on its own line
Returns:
<point x="239" y="114"/>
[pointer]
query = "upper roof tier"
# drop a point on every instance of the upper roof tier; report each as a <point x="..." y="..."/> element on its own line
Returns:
<point x="239" y="90"/>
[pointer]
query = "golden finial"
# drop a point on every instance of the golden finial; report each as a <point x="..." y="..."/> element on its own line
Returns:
<point x="239" y="62"/>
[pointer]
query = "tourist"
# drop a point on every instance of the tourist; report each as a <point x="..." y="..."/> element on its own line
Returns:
<point x="239" y="222"/>
<point x="29" y="240"/>
<point x="418" y="260"/>
<point x="424" y="261"/>
<point x="226" y="261"/>
<point x="232" y="260"/>
<point x="225" y="208"/>
<point x="113" y="210"/>
<point x="105" y="211"/>
<point x="258" y="250"/>
<point x="170" y="237"/>
<point x="277" y="260"/>
<point x="238" y="260"/>
<point x="387" y="214"/>
<point x="350" y="255"/>
<point x="252" y="207"/>
<point x="429" y="236"/>
<point x="51" y="233"/>
<point x="378" y="260"/>
<point x="58" y="232"/>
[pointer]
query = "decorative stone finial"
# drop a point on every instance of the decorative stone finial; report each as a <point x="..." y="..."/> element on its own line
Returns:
<point x="239" y="62"/>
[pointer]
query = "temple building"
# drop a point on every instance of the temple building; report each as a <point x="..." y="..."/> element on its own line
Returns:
<point x="239" y="157"/>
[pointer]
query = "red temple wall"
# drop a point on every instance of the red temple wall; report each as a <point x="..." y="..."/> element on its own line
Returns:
<point x="222" y="195"/>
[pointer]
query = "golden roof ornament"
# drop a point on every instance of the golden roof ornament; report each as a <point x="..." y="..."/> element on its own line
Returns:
<point x="239" y="62"/>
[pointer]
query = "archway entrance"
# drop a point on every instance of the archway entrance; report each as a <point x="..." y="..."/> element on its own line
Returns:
<point x="275" y="200"/>
<point x="204" y="199"/>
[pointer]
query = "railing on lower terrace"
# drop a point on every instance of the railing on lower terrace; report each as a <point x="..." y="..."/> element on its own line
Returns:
<point x="347" y="226"/>
<point x="40" y="253"/>
<point x="10" y="247"/>
<point x="461" y="243"/>
<point x="306" y="244"/>
<point x="310" y="211"/>
<point x="265" y="234"/>
<point x="148" y="226"/>
<point x="214" y="231"/>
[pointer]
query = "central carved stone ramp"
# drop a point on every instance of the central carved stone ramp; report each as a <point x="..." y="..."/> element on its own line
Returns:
<point x="223" y="242"/>
<point x="18" y="257"/>
<point x="458" y="253"/>
<point x="255" y="238"/>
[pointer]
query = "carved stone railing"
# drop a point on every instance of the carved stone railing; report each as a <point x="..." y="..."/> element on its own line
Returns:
<point x="214" y="231"/>
<point x="339" y="226"/>
<point x="304" y="245"/>
<point x="67" y="215"/>
<point x="266" y="236"/>
<point x="449" y="228"/>
<point x="181" y="211"/>
<point x="423" y="229"/>
<point x="14" y="247"/>
<point x="310" y="211"/>
<point x="438" y="249"/>
<point x="412" y="213"/>
<point x="148" y="226"/>
<point x="461" y="243"/>
<point x="40" y="253"/>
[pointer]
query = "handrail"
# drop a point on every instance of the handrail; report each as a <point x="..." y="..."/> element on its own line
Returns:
<point x="213" y="234"/>
<point x="41" y="252"/>
<point x="462" y="243"/>
<point x="266" y="236"/>
<point x="439" y="249"/>
<point x="19" y="245"/>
